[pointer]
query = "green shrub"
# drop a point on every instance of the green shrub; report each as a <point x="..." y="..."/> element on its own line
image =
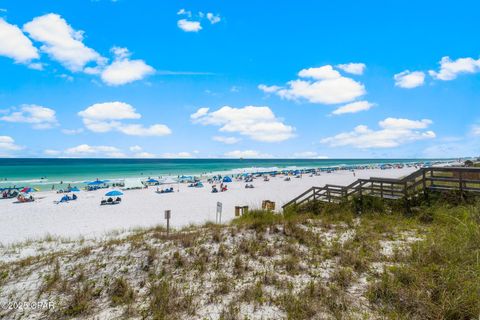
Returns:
<point x="121" y="292"/>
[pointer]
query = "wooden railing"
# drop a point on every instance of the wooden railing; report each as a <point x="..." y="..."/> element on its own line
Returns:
<point x="436" y="179"/>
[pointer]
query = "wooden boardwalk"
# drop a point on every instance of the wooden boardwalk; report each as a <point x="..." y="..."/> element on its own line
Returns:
<point x="421" y="181"/>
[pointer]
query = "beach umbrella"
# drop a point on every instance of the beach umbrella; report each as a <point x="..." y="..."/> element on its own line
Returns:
<point x="74" y="189"/>
<point x="152" y="181"/>
<point x="95" y="183"/>
<point x="113" y="193"/>
<point x="28" y="189"/>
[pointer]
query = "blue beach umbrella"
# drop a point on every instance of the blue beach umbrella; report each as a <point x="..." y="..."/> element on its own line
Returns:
<point x="152" y="181"/>
<point x="74" y="189"/>
<point x="96" y="183"/>
<point x="113" y="193"/>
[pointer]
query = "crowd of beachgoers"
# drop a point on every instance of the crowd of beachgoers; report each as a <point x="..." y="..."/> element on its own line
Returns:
<point x="217" y="182"/>
<point x="100" y="206"/>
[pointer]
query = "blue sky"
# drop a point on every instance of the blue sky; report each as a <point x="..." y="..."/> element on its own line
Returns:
<point x="332" y="79"/>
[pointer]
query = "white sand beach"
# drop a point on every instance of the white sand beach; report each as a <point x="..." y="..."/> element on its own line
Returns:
<point x="145" y="208"/>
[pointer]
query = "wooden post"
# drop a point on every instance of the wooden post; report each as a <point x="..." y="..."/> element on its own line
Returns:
<point x="460" y="182"/>
<point x="406" y="201"/>
<point x="424" y="184"/>
<point x="431" y="175"/>
<point x="167" y="216"/>
<point x="381" y="189"/>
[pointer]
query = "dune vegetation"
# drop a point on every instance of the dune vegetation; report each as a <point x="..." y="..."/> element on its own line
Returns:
<point x="321" y="261"/>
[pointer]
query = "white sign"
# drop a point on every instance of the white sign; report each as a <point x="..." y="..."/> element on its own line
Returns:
<point x="219" y="207"/>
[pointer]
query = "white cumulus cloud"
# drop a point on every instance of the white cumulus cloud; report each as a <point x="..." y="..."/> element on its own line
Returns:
<point x="320" y="73"/>
<point x="353" y="107"/>
<point x="7" y="143"/>
<point x="189" y="26"/>
<point x="323" y="85"/>
<point x="392" y="133"/>
<point x="353" y="68"/>
<point x="123" y="70"/>
<point x="213" y="18"/>
<point x="184" y="12"/>
<point x="450" y="69"/>
<point x="61" y="42"/>
<point x="269" y="89"/>
<point x="408" y="79"/>
<point x="257" y="123"/>
<point x="15" y="45"/>
<point x="40" y="117"/>
<point x="85" y="150"/>
<point x="108" y="116"/>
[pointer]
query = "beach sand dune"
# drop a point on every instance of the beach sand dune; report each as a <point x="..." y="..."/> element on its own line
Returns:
<point x="145" y="208"/>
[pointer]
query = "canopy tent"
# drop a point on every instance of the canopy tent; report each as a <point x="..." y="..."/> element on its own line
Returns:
<point x="227" y="179"/>
<point x="186" y="179"/>
<point x="168" y="180"/>
<point x="133" y="183"/>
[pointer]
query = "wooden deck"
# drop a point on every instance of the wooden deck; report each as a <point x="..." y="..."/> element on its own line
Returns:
<point x="421" y="181"/>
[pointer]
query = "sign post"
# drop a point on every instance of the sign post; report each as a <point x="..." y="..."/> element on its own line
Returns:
<point x="168" y="214"/>
<point x="218" y="216"/>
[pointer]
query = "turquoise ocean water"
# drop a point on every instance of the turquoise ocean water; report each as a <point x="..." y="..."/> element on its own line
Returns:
<point x="44" y="172"/>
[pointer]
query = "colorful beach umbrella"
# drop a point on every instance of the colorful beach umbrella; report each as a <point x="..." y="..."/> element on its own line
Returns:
<point x="113" y="193"/>
<point x="28" y="189"/>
